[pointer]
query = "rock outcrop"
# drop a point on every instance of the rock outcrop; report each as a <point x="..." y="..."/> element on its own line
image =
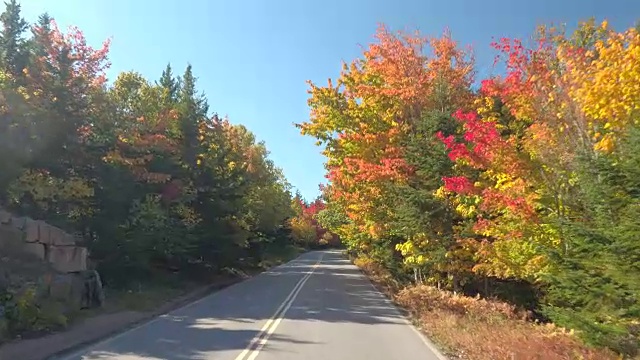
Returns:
<point x="41" y="256"/>
<point x="44" y="241"/>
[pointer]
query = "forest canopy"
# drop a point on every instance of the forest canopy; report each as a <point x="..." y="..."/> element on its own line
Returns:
<point x="525" y="189"/>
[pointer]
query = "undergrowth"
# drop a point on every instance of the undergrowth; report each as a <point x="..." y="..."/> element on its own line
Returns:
<point x="480" y="329"/>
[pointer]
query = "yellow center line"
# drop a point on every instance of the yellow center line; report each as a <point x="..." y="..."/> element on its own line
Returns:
<point x="272" y="324"/>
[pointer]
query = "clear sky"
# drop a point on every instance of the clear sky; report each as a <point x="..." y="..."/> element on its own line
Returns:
<point x="252" y="58"/>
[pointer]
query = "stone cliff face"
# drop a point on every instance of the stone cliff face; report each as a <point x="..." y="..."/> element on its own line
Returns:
<point x="46" y="242"/>
<point x="44" y="258"/>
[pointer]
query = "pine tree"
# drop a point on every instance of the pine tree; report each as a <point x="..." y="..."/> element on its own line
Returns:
<point x="419" y="215"/>
<point x="170" y="84"/>
<point x="595" y="286"/>
<point x="41" y="35"/>
<point x="13" y="50"/>
<point x="193" y="112"/>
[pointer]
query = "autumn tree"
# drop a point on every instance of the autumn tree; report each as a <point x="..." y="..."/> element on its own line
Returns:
<point x="547" y="176"/>
<point x="522" y="189"/>
<point x="142" y="170"/>
<point x="373" y="123"/>
<point x="306" y="226"/>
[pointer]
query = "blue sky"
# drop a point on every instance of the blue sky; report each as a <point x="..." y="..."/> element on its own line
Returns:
<point x="252" y="58"/>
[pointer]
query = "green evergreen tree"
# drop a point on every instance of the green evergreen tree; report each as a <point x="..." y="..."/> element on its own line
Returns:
<point x="13" y="50"/>
<point x="193" y="112"/>
<point x="170" y="84"/>
<point x="41" y="35"/>
<point x="417" y="211"/>
<point x="597" y="280"/>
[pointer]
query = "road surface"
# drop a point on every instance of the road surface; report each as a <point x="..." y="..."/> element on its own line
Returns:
<point x="316" y="307"/>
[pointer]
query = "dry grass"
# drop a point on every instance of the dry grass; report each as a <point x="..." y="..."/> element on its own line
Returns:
<point x="479" y="329"/>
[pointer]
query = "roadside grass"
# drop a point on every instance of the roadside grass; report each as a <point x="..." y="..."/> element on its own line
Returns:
<point x="141" y="297"/>
<point x="479" y="329"/>
<point x="41" y="317"/>
<point x="148" y="296"/>
<point x="145" y="298"/>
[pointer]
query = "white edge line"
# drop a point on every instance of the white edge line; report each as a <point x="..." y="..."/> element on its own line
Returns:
<point x="422" y="336"/>
<point x="87" y="349"/>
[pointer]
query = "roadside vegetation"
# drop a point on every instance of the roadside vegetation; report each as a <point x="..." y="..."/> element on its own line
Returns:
<point x="167" y="195"/>
<point x="472" y="327"/>
<point x="503" y="213"/>
<point x="492" y="206"/>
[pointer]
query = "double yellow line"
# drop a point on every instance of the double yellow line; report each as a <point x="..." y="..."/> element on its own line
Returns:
<point x="260" y="340"/>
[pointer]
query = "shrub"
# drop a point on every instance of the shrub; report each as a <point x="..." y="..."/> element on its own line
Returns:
<point x="25" y="313"/>
<point x="488" y="329"/>
<point x="480" y="329"/>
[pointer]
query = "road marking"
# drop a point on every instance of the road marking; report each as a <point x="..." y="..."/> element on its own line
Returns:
<point x="260" y="340"/>
<point x="274" y="326"/>
<point x="86" y="350"/>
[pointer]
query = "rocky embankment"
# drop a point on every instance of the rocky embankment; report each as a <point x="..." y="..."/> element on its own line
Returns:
<point x="43" y="277"/>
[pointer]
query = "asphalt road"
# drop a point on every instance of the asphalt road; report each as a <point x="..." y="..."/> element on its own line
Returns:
<point x="317" y="307"/>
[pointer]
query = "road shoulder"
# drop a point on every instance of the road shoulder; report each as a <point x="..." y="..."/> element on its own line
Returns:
<point x="386" y="287"/>
<point x="98" y="327"/>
